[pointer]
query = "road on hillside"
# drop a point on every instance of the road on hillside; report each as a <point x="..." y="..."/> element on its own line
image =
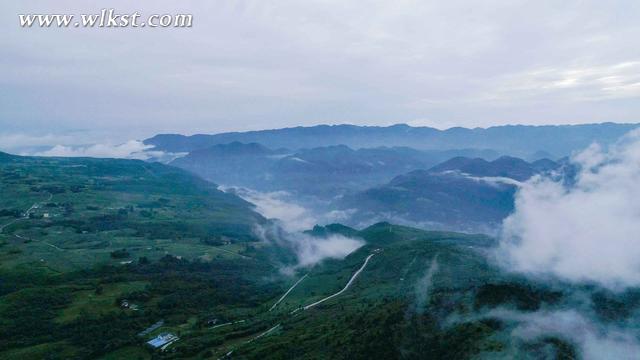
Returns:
<point x="288" y="291"/>
<point x="353" y="278"/>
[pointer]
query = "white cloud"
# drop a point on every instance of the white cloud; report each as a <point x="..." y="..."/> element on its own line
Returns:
<point x="311" y="250"/>
<point x="308" y="249"/>
<point x="572" y="83"/>
<point x="290" y="214"/>
<point x="265" y="64"/>
<point x="13" y="141"/>
<point x="290" y="220"/>
<point x="132" y="149"/>
<point x="595" y="341"/>
<point x="585" y="232"/>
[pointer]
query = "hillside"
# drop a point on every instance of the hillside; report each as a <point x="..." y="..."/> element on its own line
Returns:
<point x="103" y="205"/>
<point x="320" y="172"/>
<point x="407" y="293"/>
<point x="504" y="166"/>
<point x="465" y="194"/>
<point x="99" y="257"/>
<point x="514" y="140"/>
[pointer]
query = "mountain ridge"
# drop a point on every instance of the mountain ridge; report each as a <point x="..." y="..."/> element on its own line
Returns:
<point x="515" y="140"/>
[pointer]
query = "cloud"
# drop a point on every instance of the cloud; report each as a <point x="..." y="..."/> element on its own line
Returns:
<point x="595" y="341"/>
<point x="290" y="220"/>
<point x="132" y="149"/>
<point x="283" y="206"/>
<point x="12" y="141"/>
<point x="573" y="83"/>
<point x="266" y="64"/>
<point x="309" y="250"/>
<point x="423" y="285"/>
<point x="583" y="230"/>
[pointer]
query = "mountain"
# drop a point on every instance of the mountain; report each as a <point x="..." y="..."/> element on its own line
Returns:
<point x="320" y="172"/>
<point x="504" y="166"/>
<point x="515" y="140"/>
<point x="406" y="293"/>
<point x="104" y="258"/>
<point x="231" y="164"/>
<point x="461" y="193"/>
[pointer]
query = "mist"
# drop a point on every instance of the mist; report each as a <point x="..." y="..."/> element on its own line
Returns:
<point x="593" y="339"/>
<point x="288" y="223"/>
<point x="583" y="228"/>
<point x="307" y="249"/>
<point x="132" y="149"/>
<point x="284" y="208"/>
<point x="423" y="285"/>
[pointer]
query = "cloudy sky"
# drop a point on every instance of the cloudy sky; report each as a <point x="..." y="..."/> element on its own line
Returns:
<point x="253" y="64"/>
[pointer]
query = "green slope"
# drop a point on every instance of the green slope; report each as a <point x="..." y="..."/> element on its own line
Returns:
<point x="183" y="252"/>
<point x="401" y="305"/>
<point x="79" y="235"/>
<point x="85" y="209"/>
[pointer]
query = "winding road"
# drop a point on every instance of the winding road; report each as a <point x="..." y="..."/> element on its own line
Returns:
<point x="353" y="278"/>
<point x="288" y="291"/>
<point x="346" y="287"/>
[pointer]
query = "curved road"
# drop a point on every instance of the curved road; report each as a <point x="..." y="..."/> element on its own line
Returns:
<point x="353" y="278"/>
<point x="288" y="291"/>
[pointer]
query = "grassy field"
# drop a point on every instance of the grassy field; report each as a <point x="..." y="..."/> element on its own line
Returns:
<point x="88" y="301"/>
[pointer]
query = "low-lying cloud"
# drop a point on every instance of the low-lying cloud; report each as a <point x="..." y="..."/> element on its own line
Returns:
<point x="311" y="250"/>
<point x="592" y="339"/>
<point x="423" y="286"/>
<point x="308" y="249"/>
<point x="289" y="220"/>
<point x="585" y="229"/>
<point x="132" y="149"/>
<point x="286" y="210"/>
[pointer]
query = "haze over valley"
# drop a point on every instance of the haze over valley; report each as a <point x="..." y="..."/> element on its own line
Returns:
<point x="319" y="179"/>
<point x="239" y="249"/>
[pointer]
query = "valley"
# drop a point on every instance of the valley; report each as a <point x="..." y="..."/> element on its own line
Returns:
<point x="178" y="268"/>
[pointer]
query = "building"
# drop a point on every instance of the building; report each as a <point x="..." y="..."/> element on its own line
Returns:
<point x="162" y="340"/>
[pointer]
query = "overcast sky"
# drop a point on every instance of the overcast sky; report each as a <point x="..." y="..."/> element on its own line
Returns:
<point x="253" y="64"/>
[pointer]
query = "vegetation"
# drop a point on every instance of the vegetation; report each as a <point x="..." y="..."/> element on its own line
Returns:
<point x="100" y="256"/>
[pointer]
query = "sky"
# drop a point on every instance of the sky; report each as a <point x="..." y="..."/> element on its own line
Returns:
<point x="256" y="64"/>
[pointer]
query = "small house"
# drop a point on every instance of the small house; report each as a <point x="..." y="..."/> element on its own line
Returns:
<point x="162" y="340"/>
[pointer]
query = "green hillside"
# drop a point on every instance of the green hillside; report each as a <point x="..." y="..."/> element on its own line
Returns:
<point x="93" y="252"/>
<point x="402" y="303"/>
<point x="86" y="209"/>
<point x="80" y="235"/>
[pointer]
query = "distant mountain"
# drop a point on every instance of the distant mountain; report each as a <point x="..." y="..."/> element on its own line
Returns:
<point x="235" y="163"/>
<point x="323" y="171"/>
<point x="461" y="193"/>
<point x="5" y="156"/>
<point x="532" y="142"/>
<point x="505" y="166"/>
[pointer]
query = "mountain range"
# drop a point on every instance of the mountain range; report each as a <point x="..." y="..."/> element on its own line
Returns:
<point x="103" y="258"/>
<point x="425" y="188"/>
<point x="462" y="193"/>
<point x="529" y="142"/>
<point x="323" y="172"/>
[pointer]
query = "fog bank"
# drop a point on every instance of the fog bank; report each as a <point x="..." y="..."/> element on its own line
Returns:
<point x="582" y="229"/>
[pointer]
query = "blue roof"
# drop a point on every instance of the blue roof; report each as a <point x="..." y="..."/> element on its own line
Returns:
<point x="160" y="340"/>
